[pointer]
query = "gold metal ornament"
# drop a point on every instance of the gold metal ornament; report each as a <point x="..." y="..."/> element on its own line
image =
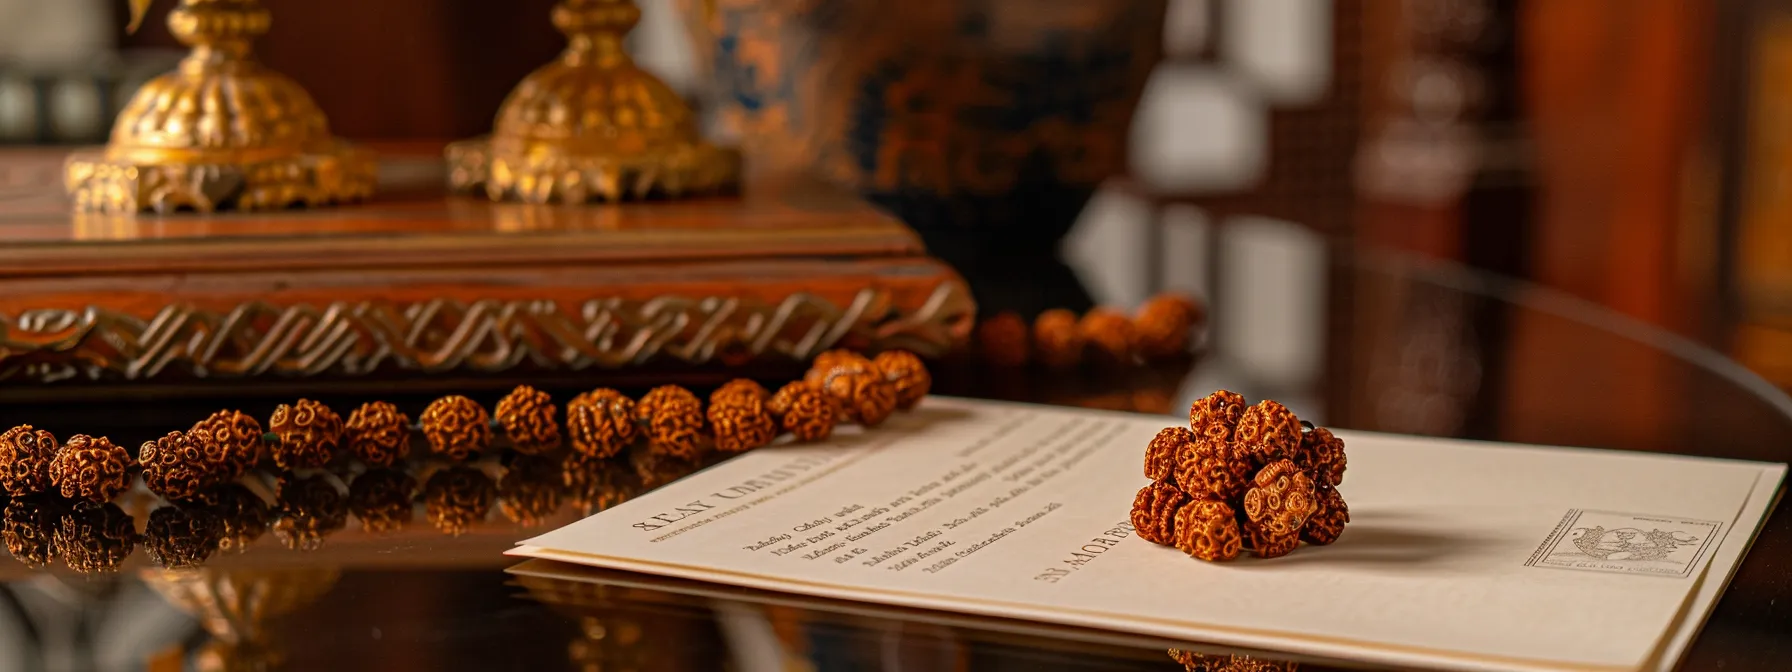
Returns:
<point x="220" y="132"/>
<point x="592" y="126"/>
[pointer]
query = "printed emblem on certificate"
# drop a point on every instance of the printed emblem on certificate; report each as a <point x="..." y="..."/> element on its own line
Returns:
<point x="1627" y="543"/>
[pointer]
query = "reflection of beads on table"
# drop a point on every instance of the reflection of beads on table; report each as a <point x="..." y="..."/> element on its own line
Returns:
<point x="381" y="499"/>
<point x="182" y="537"/>
<point x="29" y="529"/>
<point x="310" y="508"/>
<point x="95" y="539"/>
<point x="529" y="492"/>
<point x="457" y="498"/>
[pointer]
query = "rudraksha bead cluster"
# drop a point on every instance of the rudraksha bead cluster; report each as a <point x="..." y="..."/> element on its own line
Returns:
<point x="1105" y="336"/>
<point x="1241" y="478"/>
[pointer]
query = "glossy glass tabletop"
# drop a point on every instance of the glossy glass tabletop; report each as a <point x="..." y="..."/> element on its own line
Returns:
<point x="403" y="569"/>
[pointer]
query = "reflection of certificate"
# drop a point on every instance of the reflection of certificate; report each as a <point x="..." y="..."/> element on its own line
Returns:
<point x="1453" y="557"/>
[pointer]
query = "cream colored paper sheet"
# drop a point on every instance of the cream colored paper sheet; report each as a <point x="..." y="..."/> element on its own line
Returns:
<point x="1459" y="555"/>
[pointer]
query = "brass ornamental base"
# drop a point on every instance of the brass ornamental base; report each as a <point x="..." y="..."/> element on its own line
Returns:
<point x="592" y="126"/>
<point x="220" y="132"/>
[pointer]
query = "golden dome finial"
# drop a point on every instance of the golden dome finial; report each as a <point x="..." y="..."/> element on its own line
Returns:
<point x="592" y="126"/>
<point x="221" y="131"/>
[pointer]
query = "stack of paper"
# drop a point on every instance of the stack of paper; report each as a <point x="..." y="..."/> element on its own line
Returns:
<point x="1458" y="555"/>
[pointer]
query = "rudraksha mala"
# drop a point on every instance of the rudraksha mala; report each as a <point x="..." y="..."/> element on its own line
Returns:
<point x="1241" y="478"/>
<point x="196" y="470"/>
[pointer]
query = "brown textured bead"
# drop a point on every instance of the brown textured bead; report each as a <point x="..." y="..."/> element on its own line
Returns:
<point x="1280" y="499"/>
<point x="1212" y="469"/>
<point x="529" y="492"/>
<point x="863" y="395"/>
<point x="740" y="386"/>
<point x="1268" y="432"/>
<point x="1327" y="523"/>
<point x="1154" y="512"/>
<point x="310" y="509"/>
<point x="826" y="362"/>
<point x="1321" y="455"/>
<point x="243" y="514"/>
<point x="674" y="419"/>
<point x="1201" y="662"/>
<point x="457" y="498"/>
<point x="91" y="469"/>
<point x="1162" y="454"/>
<point x="378" y="434"/>
<point x="29" y="530"/>
<point x="740" y="421"/>
<point x="176" y="466"/>
<point x="907" y="374"/>
<point x="180" y="537"/>
<point x="382" y="500"/>
<point x="1266" y="543"/>
<point x="805" y="412"/>
<point x="1216" y="415"/>
<point x="309" y="434"/>
<point x="1003" y="340"/>
<point x="25" y="456"/>
<point x="235" y="436"/>
<point x="1162" y="325"/>
<point x="601" y="422"/>
<point x="1108" y="333"/>
<point x="1057" y="340"/>
<point x="1208" y="530"/>
<point x="456" y="427"/>
<point x="527" y="416"/>
<point x="97" y="539"/>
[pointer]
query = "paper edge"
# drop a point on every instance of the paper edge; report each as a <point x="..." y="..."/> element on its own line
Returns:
<point x="1734" y="548"/>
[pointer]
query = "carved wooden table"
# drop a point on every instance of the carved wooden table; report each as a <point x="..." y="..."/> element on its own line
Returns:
<point x="417" y="285"/>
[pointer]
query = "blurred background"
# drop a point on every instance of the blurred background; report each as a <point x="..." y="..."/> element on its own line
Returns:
<point x="1621" y="151"/>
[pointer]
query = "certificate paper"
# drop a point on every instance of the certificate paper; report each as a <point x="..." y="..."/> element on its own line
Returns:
<point x="1458" y="555"/>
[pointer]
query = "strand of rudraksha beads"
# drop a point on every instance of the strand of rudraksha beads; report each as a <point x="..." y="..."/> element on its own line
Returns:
<point x="841" y="386"/>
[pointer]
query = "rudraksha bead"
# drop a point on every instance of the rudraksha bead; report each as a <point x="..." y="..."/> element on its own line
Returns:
<point x="826" y="362"/>
<point x="739" y="386"/>
<point x="243" y="514"/>
<point x="1163" y="324"/>
<point x="1326" y="524"/>
<point x="740" y="421"/>
<point x="595" y="484"/>
<point x="1280" y="499"/>
<point x="1003" y="340"/>
<point x="457" y="427"/>
<point x="1322" y="457"/>
<point x="805" y="412"/>
<point x="907" y="373"/>
<point x="29" y="530"/>
<point x="179" y="537"/>
<point x="25" y="456"/>
<point x="91" y="469"/>
<point x="1216" y="415"/>
<point x="1201" y="662"/>
<point x="527" y="416"/>
<point x="1212" y="469"/>
<point x="457" y="498"/>
<point x="674" y="420"/>
<point x="382" y="500"/>
<point x="601" y="422"/>
<point x="310" y="509"/>
<point x="176" y="466"/>
<point x="864" y="396"/>
<point x="1108" y="333"/>
<point x="95" y="539"/>
<point x="1266" y="543"/>
<point x="1208" y="530"/>
<point x="309" y="434"/>
<point x="1164" y="451"/>
<point x="236" y="437"/>
<point x="529" y="492"/>
<point x="1056" y="339"/>
<point x="1268" y="432"/>
<point x="1154" y="512"/>
<point x="378" y="434"/>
